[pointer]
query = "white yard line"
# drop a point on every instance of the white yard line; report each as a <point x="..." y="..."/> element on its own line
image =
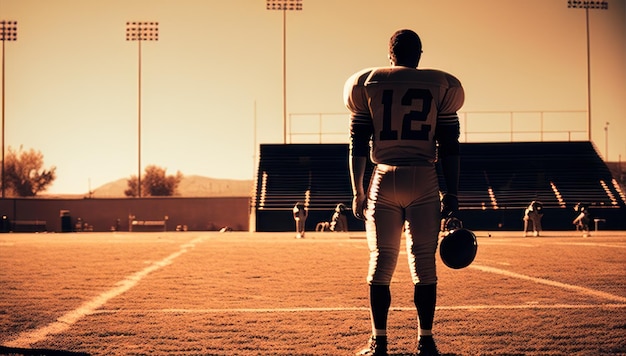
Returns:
<point x="356" y="309"/>
<point x="592" y="244"/>
<point x="588" y="291"/>
<point x="30" y="337"/>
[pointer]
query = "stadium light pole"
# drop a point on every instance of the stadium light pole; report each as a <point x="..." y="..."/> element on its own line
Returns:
<point x="586" y="4"/>
<point x="284" y="6"/>
<point x="606" y="141"/>
<point x="140" y="31"/>
<point x="8" y="32"/>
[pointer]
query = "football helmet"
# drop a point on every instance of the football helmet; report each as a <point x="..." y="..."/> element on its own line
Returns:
<point x="458" y="246"/>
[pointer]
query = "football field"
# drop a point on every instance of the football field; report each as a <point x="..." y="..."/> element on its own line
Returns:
<point x="238" y="293"/>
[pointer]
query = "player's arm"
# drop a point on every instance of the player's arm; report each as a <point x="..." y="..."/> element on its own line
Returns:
<point x="448" y="154"/>
<point x="447" y="135"/>
<point x="360" y="133"/>
<point x="450" y="166"/>
<point x="361" y="130"/>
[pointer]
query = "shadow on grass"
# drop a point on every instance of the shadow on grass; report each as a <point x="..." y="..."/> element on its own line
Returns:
<point x="18" y="351"/>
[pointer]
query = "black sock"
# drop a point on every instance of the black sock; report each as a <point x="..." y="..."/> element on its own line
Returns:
<point x="380" y="301"/>
<point x="425" y="299"/>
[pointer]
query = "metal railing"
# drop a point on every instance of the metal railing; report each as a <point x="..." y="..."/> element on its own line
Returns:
<point x="476" y="126"/>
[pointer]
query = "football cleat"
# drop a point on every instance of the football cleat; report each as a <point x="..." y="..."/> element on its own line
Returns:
<point x="426" y="347"/>
<point x="458" y="247"/>
<point x="377" y="346"/>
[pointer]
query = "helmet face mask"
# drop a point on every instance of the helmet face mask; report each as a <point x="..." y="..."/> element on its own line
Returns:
<point x="451" y="223"/>
<point x="458" y="248"/>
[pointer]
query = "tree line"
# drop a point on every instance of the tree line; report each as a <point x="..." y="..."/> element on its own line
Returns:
<point x="25" y="176"/>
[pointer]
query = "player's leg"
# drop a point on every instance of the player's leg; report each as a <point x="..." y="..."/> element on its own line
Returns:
<point x="539" y="227"/>
<point x="384" y="239"/>
<point x="297" y="220"/>
<point x="422" y="237"/>
<point x="536" y="224"/>
<point x="526" y="219"/>
<point x="422" y="234"/>
<point x="384" y="224"/>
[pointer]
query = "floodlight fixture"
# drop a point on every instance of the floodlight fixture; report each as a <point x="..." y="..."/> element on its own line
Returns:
<point x="283" y="5"/>
<point x="8" y="30"/>
<point x="580" y="4"/>
<point x="142" y="31"/>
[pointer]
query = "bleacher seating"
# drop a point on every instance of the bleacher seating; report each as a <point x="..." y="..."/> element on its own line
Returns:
<point x="314" y="173"/>
<point x="524" y="171"/>
<point x="494" y="176"/>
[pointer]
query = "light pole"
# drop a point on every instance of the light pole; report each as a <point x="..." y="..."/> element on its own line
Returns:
<point x="606" y="141"/>
<point x="284" y="5"/>
<point x="585" y="4"/>
<point x="140" y="31"/>
<point x="8" y="32"/>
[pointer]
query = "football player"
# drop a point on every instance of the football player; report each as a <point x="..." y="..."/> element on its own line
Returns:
<point x="404" y="118"/>
<point x="583" y="219"/>
<point x="532" y="218"/>
<point x="300" y="213"/>
<point x="339" y="221"/>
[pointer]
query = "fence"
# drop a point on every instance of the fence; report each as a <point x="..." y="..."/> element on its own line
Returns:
<point x="476" y="126"/>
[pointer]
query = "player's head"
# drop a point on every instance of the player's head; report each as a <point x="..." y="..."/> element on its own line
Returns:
<point x="405" y="48"/>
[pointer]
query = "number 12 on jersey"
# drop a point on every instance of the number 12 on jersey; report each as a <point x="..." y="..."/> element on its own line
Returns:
<point x="407" y="132"/>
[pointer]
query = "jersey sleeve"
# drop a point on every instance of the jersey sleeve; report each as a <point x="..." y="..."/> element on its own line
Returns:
<point x="452" y="101"/>
<point x="355" y="99"/>
<point x="448" y="128"/>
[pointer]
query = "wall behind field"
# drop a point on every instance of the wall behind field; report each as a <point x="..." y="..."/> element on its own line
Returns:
<point x="210" y="214"/>
<point x="198" y="214"/>
<point x="554" y="219"/>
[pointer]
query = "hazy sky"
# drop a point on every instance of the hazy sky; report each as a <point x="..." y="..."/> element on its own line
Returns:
<point x="71" y="78"/>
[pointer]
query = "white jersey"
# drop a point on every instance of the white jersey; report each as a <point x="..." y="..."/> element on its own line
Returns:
<point x="404" y="106"/>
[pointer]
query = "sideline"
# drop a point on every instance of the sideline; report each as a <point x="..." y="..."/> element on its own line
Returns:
<point x="30" y="337"/>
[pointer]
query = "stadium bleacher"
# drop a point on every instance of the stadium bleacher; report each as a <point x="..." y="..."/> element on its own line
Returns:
<point x="498" y="181"/>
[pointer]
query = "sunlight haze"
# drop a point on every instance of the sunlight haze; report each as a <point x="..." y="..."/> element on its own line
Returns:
<point x="212" y="83"/>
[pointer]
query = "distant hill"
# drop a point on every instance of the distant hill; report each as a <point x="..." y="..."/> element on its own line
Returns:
<point x="190" y="186"/>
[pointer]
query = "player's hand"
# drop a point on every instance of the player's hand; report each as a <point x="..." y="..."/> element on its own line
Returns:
<point x="449" y="205"/>
<point x="359" y="204"/>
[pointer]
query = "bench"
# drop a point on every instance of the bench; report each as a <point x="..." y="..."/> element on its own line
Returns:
<point x="28" y="226"/>
<point x="148" y="225"/>
<point x="596" y="221"/>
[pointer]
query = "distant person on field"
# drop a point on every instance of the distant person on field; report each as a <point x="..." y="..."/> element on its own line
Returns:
<point x="322" y="226"/>
<point x="300" y="213"/>
<point x="583" y="219"/>
<point x="339" y="221"/>
<point x="532" y="218"/>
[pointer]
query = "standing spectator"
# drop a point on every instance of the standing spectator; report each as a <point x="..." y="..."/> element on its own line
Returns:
<point x="532" y="218"/>
<point x="300" y="213"/>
